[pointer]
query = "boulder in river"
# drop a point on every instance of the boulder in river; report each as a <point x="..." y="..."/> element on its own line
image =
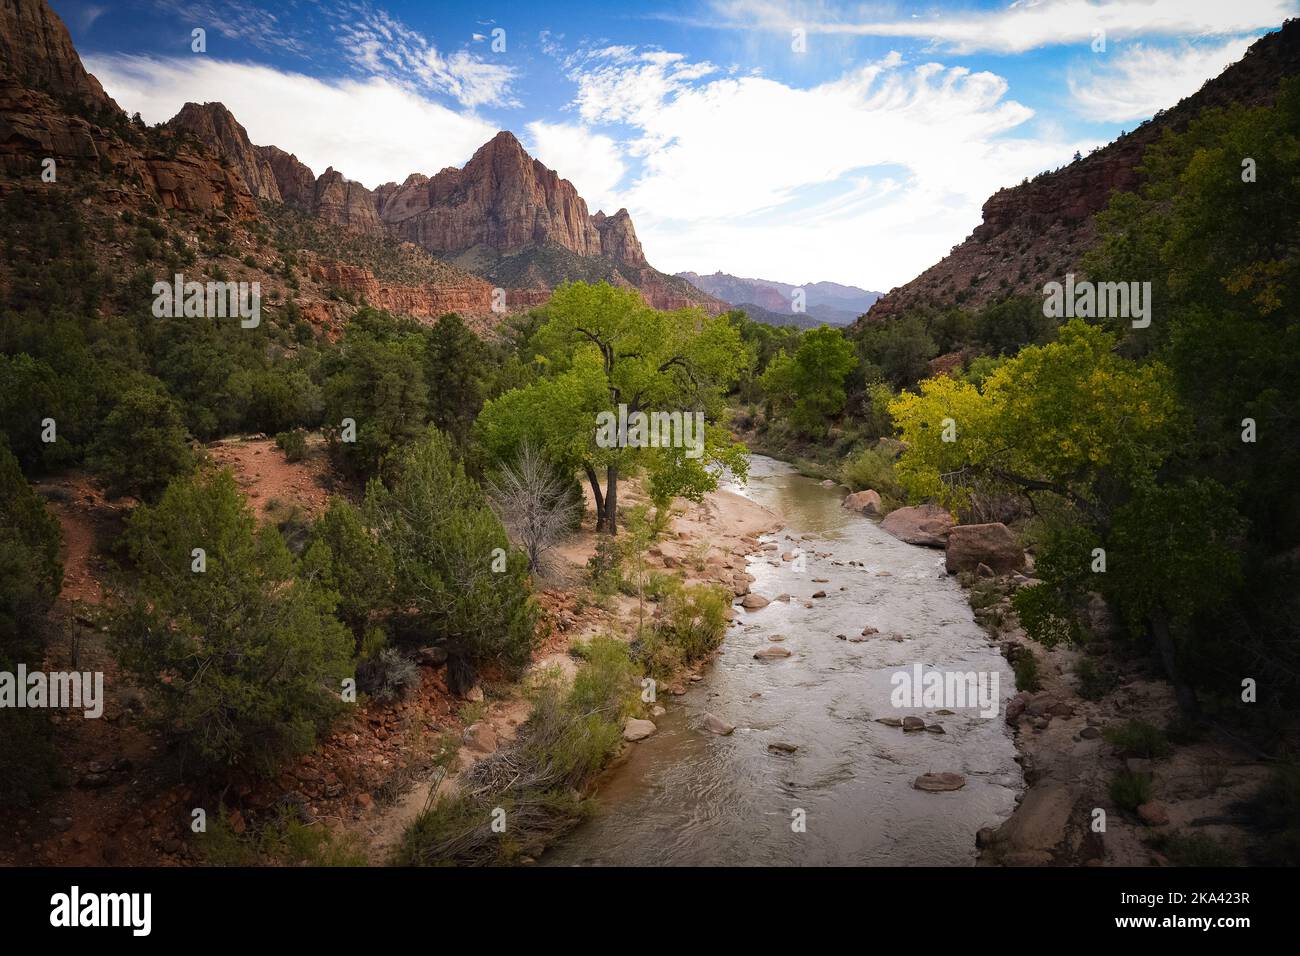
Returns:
<point x="782" y="747"/>
<point x="771" y="653"/>
<point x="863" y="502"/>
<point x="939" y="782"/>
<point x="993" y="545"/>
<point x="926" y="525"/>
<point x="637" y="729"/>
<point x="913" y="723"/>
<point x="716" y="725"/>
<point x="754" y="601"/>
<point x="890" y="721"/>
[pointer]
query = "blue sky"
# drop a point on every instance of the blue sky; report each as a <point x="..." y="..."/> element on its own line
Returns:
<point x="789" y="140"/>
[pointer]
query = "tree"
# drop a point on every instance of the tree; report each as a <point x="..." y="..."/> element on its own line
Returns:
<point x="141" y="445"/>
<point x="606" y="352"/>
<point x="378" y="385"/>
<point x="456" y="578"/>
<point x="31" y="575"/>
<point x="535" y="502"/>
<point x="242" y="655"/>
<point x="1073" y="421"/>
<point x="353" y="562"/>
<point x="811" y="382"/>
<point x="457" y="368"/>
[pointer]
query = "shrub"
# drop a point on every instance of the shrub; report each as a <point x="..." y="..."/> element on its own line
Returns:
<point x="694" y="619"/>
<point x="1044" y="616"/>
<point x="456" y="577"/>
<point x="293" y="444"/>
<point x="353" y="562"/>
<point x="1136" y="738"/>
<point x="872" y="468"/>
<point x="282" y="841"/>
<point x="1026" y="670"/>
<point x="31" y="575"/>
<point x="1196" y="850"/>
<point x="1095" y="682"/>
<point x="388" y="675"/>
<point x="538" y="779"/>
<point x="1130" y="790"/>
<point x="250" y="654"/>
<point x="141" y="444"/>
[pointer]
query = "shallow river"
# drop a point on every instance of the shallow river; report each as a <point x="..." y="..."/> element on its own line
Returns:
<point x="686" y="796"/>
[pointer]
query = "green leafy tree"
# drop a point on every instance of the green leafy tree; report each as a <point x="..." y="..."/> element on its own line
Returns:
<point x="456" y="577"/>
<point x="604" y="348"/>
<point x="244" y="659"/>
<point x="141" y="445"/>
<point x="379" y="385"/>
<point x="811" y="382"/>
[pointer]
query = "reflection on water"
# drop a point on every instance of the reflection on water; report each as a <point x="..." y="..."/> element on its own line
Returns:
<point x="685" y="796"/>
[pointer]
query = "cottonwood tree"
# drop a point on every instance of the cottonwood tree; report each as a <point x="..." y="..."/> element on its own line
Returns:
<point x="1077" y="424"/>
<point x="603" y="348"/>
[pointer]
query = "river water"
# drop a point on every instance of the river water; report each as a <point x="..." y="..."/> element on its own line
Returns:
<point x="686" y="796"/>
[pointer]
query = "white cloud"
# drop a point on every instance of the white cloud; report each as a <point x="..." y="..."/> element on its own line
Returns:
<point x="866" y="179"/>
<point x="591" y="161"/>
<point x="384" y="46"/>
<point x="372" y="131"/>
<point x="1019" y="26"/>
<point x="1138" y="81"/>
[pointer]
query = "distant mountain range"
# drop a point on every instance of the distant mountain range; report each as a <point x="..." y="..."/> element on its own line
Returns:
<point x="772" y="302"/>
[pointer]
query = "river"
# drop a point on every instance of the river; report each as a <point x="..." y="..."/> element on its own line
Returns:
<point x="685" y="796"/>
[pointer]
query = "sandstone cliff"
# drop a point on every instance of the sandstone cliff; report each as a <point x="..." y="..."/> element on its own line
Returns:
<point x="37" y="52"/>
<point x="214" y="125"/>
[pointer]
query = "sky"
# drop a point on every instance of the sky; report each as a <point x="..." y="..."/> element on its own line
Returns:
<point x="787" y="140"/>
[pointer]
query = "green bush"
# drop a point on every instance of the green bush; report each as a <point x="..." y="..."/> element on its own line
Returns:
<point x="1025" y="667"/>
<point x="1095" y="682"/>
<point x="31" y="575"/>
<point x="1130" y="790"/>
<point x="1136" y="738"/>
<point x="1044" y="616"/>
<point x="243" y="661"/>
<point x="872" y="468"/>
<point x="457" y="579"/>
<point x="293" y="444"/>
<point x="141" y="445"/>
<point x="694" y="620"/>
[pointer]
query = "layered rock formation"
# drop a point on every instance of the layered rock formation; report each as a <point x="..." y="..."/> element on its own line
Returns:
<point x="469" y="297"/>
<point x="502" y="199"/>
<point x="214" y="125"/>
<point x="1036" y="232"/>
<point x="37" y="52"/>
<point x="51" y="108"/>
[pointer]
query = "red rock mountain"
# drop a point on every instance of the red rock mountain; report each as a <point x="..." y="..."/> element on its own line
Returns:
<point x="1037" y="231"/>
<point x="51" y="108"/>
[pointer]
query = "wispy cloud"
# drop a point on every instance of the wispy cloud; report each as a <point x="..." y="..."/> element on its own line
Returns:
<point x="240" y="21"/>
<point x="381" y="45"/>
<point x="1138" y="81"/>
<point x="1016" y="27"/>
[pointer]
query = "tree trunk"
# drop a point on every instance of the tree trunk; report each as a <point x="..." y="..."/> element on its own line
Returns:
<point x="599" y="498"/>
<point x="1158" y="620"/>
<point x="611" y="499"/>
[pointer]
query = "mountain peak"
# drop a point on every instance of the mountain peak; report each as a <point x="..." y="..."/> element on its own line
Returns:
<point x="36" y="50"/>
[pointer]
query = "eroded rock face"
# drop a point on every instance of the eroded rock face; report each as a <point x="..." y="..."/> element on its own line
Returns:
<point x="215" y="126"/>
<point x="863" y="502"/>
<point x="467" y="297"/>
<point x="502" y="199"/>
<point x="618" y="239"/>
<point x="341" y="201"/>
<point x="926" y="525"/>
<point x="972" y="545"/>
<point x="37" y="52"/>
<point x="294" y="180"/>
